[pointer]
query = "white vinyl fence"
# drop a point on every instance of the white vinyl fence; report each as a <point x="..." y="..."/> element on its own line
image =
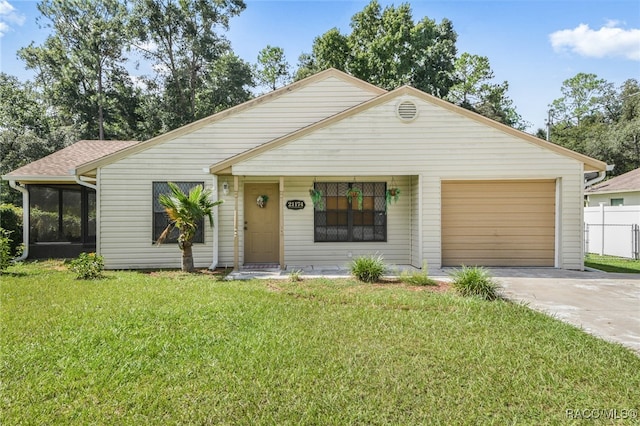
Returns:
<point x="613" y="231"/>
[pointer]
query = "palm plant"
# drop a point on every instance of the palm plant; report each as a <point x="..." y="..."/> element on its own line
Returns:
<point x="185" y="212"/>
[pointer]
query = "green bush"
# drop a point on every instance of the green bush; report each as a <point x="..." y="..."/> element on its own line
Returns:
<point x="417" y="277"/>
<point x="11" y="220"/>
<point x="5" y="249"/>
<point x="88" y="266"/>
<point x="368" y="269"/>
<point x="475" y="281"/>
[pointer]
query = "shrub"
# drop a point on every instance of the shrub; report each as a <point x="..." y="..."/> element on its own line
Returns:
<point x="88" y="266"/>
<point x="295" y="276"/>
<point x="5" y="249"/>
<point x="11" y="220"/>
<point x="417" y="277"/>
<point x="475" y="281"/>
<point x="368" y="269"/>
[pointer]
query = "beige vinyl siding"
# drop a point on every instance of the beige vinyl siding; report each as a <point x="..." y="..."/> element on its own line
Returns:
<point x="438" y="145"/>
<point x="125" y="186"/>
<point x="498" y="223"/>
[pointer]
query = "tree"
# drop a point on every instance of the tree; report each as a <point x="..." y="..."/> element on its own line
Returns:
<point x="80" y="65"/>
<point x="185" y="212"/>
<point x="584" y="95"/>
<point x="626" y="132"/>
<point x="227" y="83"/>
<point x="28" y="131"/>
<point x="595" y="119"/>
<point x="272" y="69"/>
<point x="475" y="91"/>
<point x="388" y="49"/>
<point x="181" y="38"/>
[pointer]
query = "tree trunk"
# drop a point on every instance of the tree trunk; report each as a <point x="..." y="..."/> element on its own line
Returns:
<point x="187" y="257"/>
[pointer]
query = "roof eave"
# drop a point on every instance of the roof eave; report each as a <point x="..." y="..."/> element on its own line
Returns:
<point x="40" y="179"/>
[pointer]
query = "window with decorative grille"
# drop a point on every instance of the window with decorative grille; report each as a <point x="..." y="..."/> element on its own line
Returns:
<point x="160" y="218"/>
<point x="341" y="220"/>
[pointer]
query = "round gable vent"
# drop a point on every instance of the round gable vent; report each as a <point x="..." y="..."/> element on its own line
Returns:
<point x="407" y="111"/>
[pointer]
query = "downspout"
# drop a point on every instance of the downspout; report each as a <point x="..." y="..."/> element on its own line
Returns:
<point x="601" y="176"/>
<point x="25" y="219"/>
<point x="81" y="180"/>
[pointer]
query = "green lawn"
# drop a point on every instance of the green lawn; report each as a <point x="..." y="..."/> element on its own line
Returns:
<point x="171" y="348"/>
<point x="612" y="264"/>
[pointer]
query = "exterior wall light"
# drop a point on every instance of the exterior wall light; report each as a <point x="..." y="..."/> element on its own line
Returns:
<point x="225" y="187"/>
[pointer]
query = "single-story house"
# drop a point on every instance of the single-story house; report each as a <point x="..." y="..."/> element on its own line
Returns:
<point x="623" y="190"/>
<point x="462" y="188"/>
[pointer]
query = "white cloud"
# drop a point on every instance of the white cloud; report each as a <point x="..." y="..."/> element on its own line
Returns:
<point x="8" y="17"/>
<point x="609" y="41"/>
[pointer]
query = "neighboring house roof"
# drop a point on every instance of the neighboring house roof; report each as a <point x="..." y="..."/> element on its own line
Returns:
<point x="588" y="162"/>
<point x="628" y="182"/>
<point x="192" y="127"/>
<point x="59" y="165"/>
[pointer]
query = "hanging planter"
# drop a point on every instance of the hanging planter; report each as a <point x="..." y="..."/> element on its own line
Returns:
<point x="261" y="201"/>
<point x="316" y="199"/>
<point x="352" y="193"/>
<point x="392" y="195"/>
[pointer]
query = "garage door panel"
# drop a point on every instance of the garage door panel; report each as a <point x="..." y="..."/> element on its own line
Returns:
<point x="486" y="261"/>
<point x="474" y="231"/>
<point x="498" y="220"/>
<point x="502" y="239"/>
<point x="498" y="223"/>
<point x="533" y="206"/>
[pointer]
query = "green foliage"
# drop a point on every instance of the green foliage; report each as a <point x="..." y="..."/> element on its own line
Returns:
<point x="475" y="281"/>
<point x="273" y="69"/>
<point x="418" y="277"/>
<point x="186" y="43"/>
<point x="5" y="249"/>
<point x="595" y="119"/>
<point x="368" y="269"/>
<point x="475" y="91"/>
<point x="185" y="212"/>
<point x="295" y="275"/>
<point x="11" y="221"/>
<point x="87" y="266"/>
<point x="355" y="192"/>
<point x="388" y="49"/>
<point x="317" y="198"/>
<point x="80" y="66"/>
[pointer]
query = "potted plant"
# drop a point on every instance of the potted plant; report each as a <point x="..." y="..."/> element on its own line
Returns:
<point x="316" y="198"/>
<point x="262" y="201"/>
<point x="355" y="192"/>
<point x="392" y="195"/>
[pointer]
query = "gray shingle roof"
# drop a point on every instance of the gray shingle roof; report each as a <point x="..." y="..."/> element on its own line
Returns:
<point x="629" y="181"/>
<point x="61" y="162"/>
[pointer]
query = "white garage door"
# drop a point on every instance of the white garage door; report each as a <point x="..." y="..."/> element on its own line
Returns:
<point x="498" y="223"/>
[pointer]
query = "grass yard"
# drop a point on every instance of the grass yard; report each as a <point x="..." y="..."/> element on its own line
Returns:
<point x="169" y="348"/>
<point x="612" y="264"/>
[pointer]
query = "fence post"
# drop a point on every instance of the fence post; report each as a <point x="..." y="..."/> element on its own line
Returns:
<point x="635" y="238"/>
<point x="602" y="230"/>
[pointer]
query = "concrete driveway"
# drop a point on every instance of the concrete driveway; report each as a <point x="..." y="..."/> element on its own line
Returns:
<point x="604" y="304"/>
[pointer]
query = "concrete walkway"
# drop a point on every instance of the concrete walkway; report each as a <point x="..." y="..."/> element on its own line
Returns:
<point x="606" y="305"/>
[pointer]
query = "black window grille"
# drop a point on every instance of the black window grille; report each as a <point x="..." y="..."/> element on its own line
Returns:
<point x="160" y="218"/>
<point x="341" y="220"/>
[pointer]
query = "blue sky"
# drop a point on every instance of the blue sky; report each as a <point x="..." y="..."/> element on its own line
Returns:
<point x="533" y="44"/>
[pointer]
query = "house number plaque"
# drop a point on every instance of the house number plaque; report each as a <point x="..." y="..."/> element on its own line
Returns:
<point x="295" y="204"/>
